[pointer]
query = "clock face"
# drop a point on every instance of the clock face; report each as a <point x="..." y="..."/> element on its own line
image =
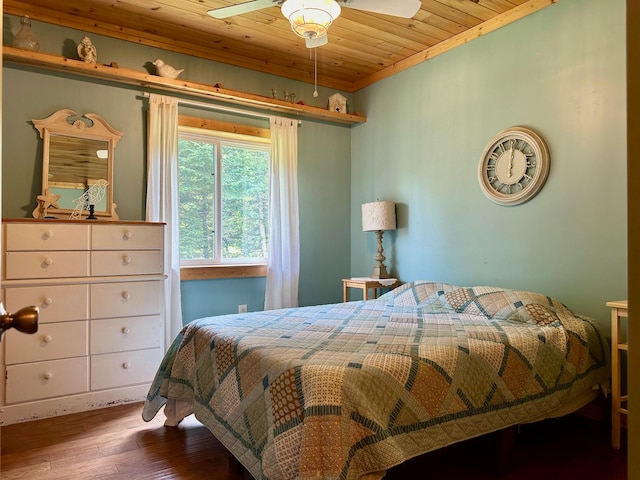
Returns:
<point x="513" y="166"/>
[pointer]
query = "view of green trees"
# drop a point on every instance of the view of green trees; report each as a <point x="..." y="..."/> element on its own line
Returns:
<point x="244" y="200"/>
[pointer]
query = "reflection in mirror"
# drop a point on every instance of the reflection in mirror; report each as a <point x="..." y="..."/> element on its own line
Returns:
<point x="75" y="164"/>
<point x="77" y="173"/>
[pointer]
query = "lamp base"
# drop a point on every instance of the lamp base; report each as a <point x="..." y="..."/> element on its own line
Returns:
<point x="380" y="271"/>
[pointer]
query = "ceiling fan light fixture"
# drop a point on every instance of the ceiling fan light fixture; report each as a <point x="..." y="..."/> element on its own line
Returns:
<point x="310" y="18"/>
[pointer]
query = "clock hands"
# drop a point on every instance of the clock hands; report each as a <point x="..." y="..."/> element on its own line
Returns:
<point x="510" y="166"/>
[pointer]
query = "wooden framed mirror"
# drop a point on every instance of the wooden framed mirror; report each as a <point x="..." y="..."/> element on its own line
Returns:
<point x="77" y="166"/>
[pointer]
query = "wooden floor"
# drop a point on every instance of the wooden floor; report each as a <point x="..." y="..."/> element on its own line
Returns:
<point x="115" y="443"/>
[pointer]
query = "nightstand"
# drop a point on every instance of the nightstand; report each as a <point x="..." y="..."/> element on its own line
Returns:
<point x="365" y="284"/>
<point x="619" y="310"/>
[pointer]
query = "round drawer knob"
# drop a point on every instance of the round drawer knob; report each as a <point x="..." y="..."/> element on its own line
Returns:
<point x="48" y="301"/>
<point x="127" y="235"/>
<point x="47" y="234"/>
<point x="48" y="376"/>
<point x="47" y="339"/>
<point x="126" y="365"/>
<point x="48" y="261"/>
<point x="126" y="259"/>
<point x="126" y="295"/>
<point x="126" y="331"/>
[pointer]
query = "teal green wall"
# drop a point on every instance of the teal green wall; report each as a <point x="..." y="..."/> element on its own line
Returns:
<point x="323" y="170"/>
<point x="560" y="71"/>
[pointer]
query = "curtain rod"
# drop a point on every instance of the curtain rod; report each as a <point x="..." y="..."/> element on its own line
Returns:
<point x="194" y="103"/>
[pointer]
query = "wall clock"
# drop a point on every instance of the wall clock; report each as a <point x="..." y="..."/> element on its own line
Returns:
<point x="513" y="166"/>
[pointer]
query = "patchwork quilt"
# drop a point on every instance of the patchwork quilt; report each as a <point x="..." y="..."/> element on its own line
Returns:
<point x="338" y="391"/>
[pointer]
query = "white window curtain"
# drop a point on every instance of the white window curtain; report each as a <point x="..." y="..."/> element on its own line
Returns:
<point x="283" y="269"/>
<point x="162" y="199"/>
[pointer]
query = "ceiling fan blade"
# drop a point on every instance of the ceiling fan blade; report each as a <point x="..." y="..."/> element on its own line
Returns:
<point x="316" y="41"/>
<point x="395" y="8"/>
<point x="239" y="9"/>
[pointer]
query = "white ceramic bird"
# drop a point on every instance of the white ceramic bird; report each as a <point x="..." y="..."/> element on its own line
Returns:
<point x="166" y="70"/>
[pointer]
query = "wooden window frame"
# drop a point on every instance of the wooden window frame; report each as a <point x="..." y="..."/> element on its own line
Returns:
<point x="205" y="272"/>
<point x="223" y="271"/>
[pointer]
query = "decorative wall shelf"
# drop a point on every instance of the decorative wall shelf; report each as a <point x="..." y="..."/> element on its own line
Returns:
<point x="133" y="77"/>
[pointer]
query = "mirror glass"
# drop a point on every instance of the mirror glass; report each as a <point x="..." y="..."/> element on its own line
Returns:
<point x="75" y="164"/>
<point x="77" y="174"/>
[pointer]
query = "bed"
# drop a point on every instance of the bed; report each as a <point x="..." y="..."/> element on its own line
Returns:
<point x="349" y="390"/>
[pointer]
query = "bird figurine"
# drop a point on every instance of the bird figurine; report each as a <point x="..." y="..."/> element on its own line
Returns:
<point x="166" y="70"/>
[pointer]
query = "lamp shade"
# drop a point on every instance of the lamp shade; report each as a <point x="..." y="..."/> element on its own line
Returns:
<point x="378" y="216"/>
<point x="310" y="18"/>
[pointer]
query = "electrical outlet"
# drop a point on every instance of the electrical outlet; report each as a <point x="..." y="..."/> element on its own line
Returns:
<point x="242" y="309"/>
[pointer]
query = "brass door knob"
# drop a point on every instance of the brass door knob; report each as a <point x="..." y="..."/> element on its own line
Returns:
<point x="24" y="320"/>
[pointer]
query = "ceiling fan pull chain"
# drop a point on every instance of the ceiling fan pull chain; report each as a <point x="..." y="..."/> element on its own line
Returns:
<point x="315" y="73"/>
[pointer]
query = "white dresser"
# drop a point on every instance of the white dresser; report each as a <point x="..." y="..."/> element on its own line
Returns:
<point x="100" y="290"/>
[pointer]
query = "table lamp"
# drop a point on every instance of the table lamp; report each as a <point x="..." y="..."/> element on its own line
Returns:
<point x="378" y="217"/>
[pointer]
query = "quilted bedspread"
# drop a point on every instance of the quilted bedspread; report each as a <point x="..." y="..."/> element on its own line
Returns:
<point x="339" y="391"/>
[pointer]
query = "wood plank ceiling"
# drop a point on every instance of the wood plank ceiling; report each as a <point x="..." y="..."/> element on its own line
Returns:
<point x="363" y="47"/>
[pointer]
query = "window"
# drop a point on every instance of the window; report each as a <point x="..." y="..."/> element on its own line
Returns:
<point x="224" y="197"/>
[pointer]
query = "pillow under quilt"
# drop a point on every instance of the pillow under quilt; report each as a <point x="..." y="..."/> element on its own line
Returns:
<point x="494" y="303"/>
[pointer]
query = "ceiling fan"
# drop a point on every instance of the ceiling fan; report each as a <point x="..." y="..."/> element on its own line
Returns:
<point x="310" y="19"/>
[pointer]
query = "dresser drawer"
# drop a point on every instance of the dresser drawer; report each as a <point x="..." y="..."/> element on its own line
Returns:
<point x="126" y="299"/>
<point x="127" y="237"/>
<point x="56" y="303"/>
<point x="124" y="368"/>
<point x="127" y="333"/>
<point x="34" y="381"/>
<point x="23" y="265"/>
<point x="46" y="236"/>
<point x="52" y="340"/>
<point x="136" y="262"/>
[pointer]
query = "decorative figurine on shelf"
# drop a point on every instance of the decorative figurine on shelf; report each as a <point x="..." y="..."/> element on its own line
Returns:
<point x="87" y="51"/>
<point x="25" y="39"/>
<point x="166" y="70"/>
<point x="95" y="193"/>
<point x="45" y="201"/>
<point x="338" y="103"/>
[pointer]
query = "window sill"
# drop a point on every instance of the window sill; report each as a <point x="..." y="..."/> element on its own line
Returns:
<point x="222" y="271"/>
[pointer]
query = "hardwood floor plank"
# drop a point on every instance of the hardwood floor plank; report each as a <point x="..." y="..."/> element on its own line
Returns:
<point x="116" y="444"/>
<point x="26" y="472"/>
